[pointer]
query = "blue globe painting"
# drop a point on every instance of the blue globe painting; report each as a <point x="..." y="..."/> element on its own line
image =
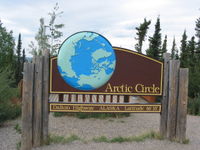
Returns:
<point x="86" y="60"/>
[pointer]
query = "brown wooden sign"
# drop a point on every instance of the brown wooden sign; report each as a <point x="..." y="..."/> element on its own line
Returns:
<point x="135" y="74"/>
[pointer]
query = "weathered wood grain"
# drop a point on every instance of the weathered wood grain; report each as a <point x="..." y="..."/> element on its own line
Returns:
<point x="27" y="105"/>
<point x="37" y="115"/>
<point x="45" y="96"/>
<point x="182" y="105"/>
<point x="174" y="66"/>
<point x="165" y="97"/>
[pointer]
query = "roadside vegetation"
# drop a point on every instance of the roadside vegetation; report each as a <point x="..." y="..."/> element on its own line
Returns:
<point x="92" y="115"/>
<point x="55" y="139"/>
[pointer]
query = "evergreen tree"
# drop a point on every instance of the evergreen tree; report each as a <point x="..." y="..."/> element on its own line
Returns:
<point x="174" y="50"/>
<point x="155" y="42"/>
<point x="184" y="52"/>
<point x="164" y="47"/>
<point x="197" y="29"/>
<point x="141" y="33"/>
<point x="23" y="59"/>
<point x="7" y="45"/>
<point x="18" y="73"/>
<point x="191" y="52"/>
<point x="194" y="69"/>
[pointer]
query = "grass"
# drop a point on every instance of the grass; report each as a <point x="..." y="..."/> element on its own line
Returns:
<point x="18" y="145"/>
<point x="18" y="129"/>
<point x="119" y="139"/>
<point x="92" y="115"/>
<point x="186" y="141"/>
<point x="55" y="139"/>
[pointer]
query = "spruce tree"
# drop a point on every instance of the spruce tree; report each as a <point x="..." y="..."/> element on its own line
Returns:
<point x="184" y="52"/>
<point x="197" y="29"/>
<point x="194" y="69"/>
<point x="141" y="33"/>
<point x="18" y="74"/>
<point x="164" y="47"/>
<point x="191" y="52"/>
<point x="174" y="50"/>
<point x="155" y="42"/>
<point x="23" y="59"/>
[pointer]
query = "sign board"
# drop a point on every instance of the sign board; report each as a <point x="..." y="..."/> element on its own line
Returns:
<point x="135" y="74"/>
<point x="88" y="64"/>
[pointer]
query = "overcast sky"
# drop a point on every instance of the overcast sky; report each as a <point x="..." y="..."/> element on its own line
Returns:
<point x="114" y="19"/>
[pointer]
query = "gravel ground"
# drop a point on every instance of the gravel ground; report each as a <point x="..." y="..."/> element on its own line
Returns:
<point x="8" y="136"/>
<point x="87" y="129"/>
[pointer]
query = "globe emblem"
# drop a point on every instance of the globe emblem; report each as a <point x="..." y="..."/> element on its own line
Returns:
<point x="86" y="60"/>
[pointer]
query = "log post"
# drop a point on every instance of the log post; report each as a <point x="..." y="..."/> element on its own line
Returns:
<point x="45" y="99"/>
<point x="174" y="66"/>
<point x="27" y="105"/>
<point x="165" y="97"/>
<point x="37" y="107"/>
<point x="182" y="105"/>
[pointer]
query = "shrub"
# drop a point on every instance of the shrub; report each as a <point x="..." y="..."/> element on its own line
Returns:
<point x="194" y="105"/>
<point x="82" y="115"/>
<point x="7" y="109"/>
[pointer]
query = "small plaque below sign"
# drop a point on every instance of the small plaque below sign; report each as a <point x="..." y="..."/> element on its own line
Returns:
<point x="104" y="108"/>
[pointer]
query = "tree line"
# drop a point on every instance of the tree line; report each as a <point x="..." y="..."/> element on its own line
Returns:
<point x="188" y="53"/>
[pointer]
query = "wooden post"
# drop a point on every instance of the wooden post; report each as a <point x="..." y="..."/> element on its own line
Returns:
<point x="173" y="95"/>
<point x="45" y="99"/>
<point x="165" y="97"/>
<point x="27" y="104"/>
<point x="182" y="105"/>
<point x="37" y="107"/>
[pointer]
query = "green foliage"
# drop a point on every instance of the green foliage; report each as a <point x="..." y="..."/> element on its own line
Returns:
<point x="164" y="47"/>
<point x="120" y="139"/>
<point x="174" y="50"/>
<point x="92" y="115"/>
<point x="55" y="139"/>
<point x="7" y="45"/>
<point x="194" y="105"/>
<point x="141" y="33"/>
<point x="101" y="139"/>
<point x="55" y="33"/>
<point x="184" y="51"/>
<point x="18" y="72"/>
<point x="18" y="128"/>
<point x="59" y="114"/>
<point x="50" y="40"/>
<point x="186" y="141"/>
<point x="18" y="145"/>
<point x="154" y="50"/>
<point x="7" y="109"/>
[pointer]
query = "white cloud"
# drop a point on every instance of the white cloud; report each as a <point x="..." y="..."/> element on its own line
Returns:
<point x="114" y="19"/>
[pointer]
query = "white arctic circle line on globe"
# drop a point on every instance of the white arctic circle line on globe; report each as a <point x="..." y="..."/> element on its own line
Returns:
<point x="86" y="60"/>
